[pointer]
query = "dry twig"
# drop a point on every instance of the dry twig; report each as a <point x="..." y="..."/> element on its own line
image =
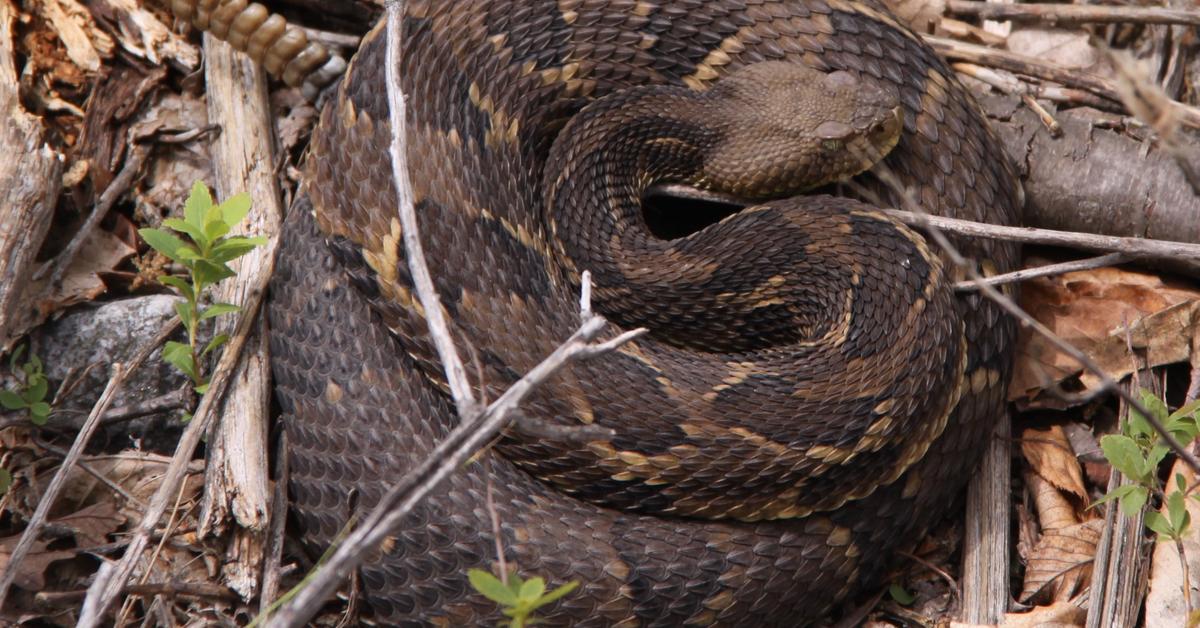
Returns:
<point x="32" y="531"/>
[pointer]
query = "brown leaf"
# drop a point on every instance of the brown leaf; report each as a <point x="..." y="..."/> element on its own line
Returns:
<point x="31" y="573"/>
<point x="1061" y="564"/>
<point x="90" y="527"/>
<point x="1051" y="456"/>
<point x="1054" y="510"/>
<point x="1093" y="310"/>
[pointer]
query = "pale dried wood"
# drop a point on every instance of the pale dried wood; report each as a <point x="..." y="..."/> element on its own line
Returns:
<point x="985" y="594"/>
<point x="29" y="187"/>
<point x="1121" y="568"/>
<point x="236" y="478"/>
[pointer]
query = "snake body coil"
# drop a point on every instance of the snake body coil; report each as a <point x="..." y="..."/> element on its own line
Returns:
<point x="811" y="395"/>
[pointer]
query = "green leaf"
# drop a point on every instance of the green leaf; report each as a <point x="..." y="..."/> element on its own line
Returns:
<point x="217" y="309"/>
<point x="39" y="412"/>
<point x="531" y="590"/>
<point x="180" y="356"/>
<point x="235" y="208"/>
<point x="12" y="400"/>
<point x="1155" y="405"/>
<point x="1180" y="482"/>
<point x="37" y="388"/>
<point x="35" y="364"/>
<point x="1190" y="409"/>
<point x="188" y="255"/>
<point x="208" y="273"/>
<point x="490" y="587"/>
<point x="902" y="597"/>
<point x="1156" y="455"/>
<point x="183" y="309"/>
<point x="179" y="283"/>
<point x="5" y="481"/>
<point x="1117" y="493"/>
<point x="216" y="227"/>
<point x="197" y="204"/>
<point x="16" y="356"/>
<point x="1132" y="503"/>
<point x="557" y="593"/>
<point x="164" y="243"/>
<point x="201" y="390"/>
<point x="195" y="233"/>
<point x="1177" y="511"/>
<point x="215" y="343"/>
<point x="1123" y="454"/>
<point x="185" y="417"/>
<point x="230" y="249"/>
<point x="1158" y="523"/>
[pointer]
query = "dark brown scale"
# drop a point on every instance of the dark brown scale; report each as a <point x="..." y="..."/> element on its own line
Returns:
<point x="361" y="391"/>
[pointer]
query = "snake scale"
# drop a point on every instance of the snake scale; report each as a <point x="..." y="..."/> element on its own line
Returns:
<point x="810" y="396"/>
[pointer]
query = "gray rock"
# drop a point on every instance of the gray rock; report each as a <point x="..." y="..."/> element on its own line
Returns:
<point x="91" y="338"/>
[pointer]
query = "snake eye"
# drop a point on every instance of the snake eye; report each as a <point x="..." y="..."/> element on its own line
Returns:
<point x="831" y="145"/>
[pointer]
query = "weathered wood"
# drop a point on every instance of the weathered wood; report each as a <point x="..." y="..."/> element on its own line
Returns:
<point x="30" y="181"/>
<point x="985" y="535"/>
<point x="243" y="153"/>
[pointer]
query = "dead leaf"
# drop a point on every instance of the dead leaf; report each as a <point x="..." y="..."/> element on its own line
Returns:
<point x="89" y="526"/>
<point x="1057" y="615"/>
<point x="1051" y="456"/>
<point x="1101" y="312"/>
<point x="1054" y="510"/>
<point x="31" y="573"/>
<point x="1061" y="564"/>
<point x="101" y="251"/>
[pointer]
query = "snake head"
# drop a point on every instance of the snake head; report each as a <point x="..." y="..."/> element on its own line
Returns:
<point x="788" y="128"/>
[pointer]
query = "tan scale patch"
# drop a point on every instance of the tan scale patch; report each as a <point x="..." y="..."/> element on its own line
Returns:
<point x="719" y="57"/>
<point x="720" y="601"/>
<point x="984" y="378"/>
<point x="502" y="128"/>
<point x="912" y="485"/>
<point x="818" y="525"/>
<point x="738" y="373"/>
<point x="384" y="259"/>
<point x="333" y="392"/>
<point x="839" y="537"/>
<point x="831" y="455"/>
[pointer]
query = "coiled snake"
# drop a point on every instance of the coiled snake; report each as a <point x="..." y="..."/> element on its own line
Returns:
<point x="811" y="395"/>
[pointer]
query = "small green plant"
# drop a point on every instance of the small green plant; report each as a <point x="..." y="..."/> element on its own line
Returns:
<point x="519" y="599"/>
<point x="205" y="253"/>
<point x="1137" y="452"/>
<point x="31" y="392"/>
<point x="901" y="595"/>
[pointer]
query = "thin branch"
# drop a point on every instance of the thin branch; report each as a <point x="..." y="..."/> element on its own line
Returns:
<point x="1111" y="259"/>
<point x="1139" y="247"/>
<point x="1052" y="14"/>
<point x="456" y="375"/>
<point x="955" y="50"/>
<point x="120" y="184"/>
